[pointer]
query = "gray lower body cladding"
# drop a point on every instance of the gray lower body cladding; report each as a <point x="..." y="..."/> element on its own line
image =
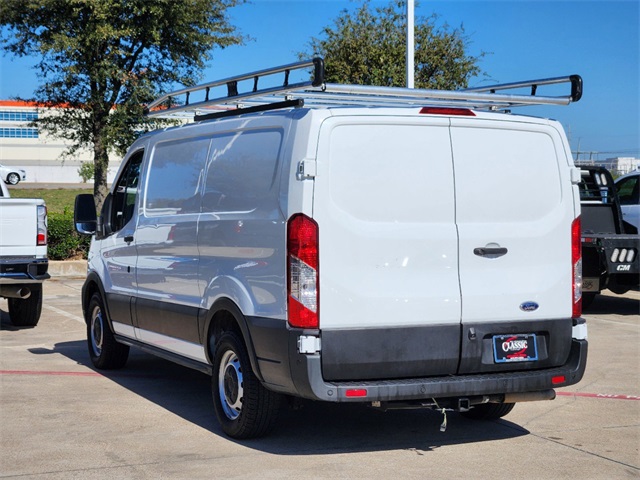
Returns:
<point x="561" y="362"/>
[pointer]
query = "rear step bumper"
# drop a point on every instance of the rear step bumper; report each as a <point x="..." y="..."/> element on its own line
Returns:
<point x="310" y="384"/>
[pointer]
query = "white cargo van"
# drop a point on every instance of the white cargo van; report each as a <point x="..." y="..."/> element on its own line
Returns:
<point x="402" y="248"/>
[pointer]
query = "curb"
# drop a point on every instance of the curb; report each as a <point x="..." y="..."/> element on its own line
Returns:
<point x="68" y="268"/>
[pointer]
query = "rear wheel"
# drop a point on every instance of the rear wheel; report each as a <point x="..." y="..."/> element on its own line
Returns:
<point x="244" y="408"/>
<point x="489" y="411"/>
<point x="104" y="351"/>
<point x="25" y="312"/>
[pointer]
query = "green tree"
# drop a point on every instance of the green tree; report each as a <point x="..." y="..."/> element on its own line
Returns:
<point x="368" y="48"/>
<point x="105" y="59"/>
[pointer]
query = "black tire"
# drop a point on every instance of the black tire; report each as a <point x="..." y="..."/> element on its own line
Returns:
<point x="13" y="178"/>
<point x="587" y="299"/>
<point x="25" y="312"/>
<point x="489" y="411"/>
<point x="105" y="352"/>
<point x="244" y="408"/>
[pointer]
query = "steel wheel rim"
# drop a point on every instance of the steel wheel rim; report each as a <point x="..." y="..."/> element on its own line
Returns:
<point x="230" y="385"/>
<point x="97" y="331"/>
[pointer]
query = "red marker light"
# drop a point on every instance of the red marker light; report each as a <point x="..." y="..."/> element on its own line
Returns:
<point x="356" y="392"/>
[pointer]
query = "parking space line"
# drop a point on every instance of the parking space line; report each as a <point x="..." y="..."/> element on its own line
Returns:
<point x="599" y="395"/>
<point x="64" y="314"/>
<point x="41" y="372"/>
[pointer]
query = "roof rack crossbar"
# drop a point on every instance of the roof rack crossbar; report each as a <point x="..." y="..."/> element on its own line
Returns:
<point x="316" y="93"/>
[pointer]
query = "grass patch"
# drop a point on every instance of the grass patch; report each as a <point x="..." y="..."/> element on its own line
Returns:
<point x="57" y="200"/>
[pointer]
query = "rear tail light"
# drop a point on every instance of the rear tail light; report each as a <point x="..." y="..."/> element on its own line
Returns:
<point x="576" y="262"/>
<point x="302" y="272"/>
<point x="41" y="235"/>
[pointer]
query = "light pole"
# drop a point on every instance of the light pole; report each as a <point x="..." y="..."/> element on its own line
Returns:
<point x="410" y="43"/>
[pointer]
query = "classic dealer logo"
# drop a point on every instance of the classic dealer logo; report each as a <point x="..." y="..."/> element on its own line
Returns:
<point x="517" y="345"/>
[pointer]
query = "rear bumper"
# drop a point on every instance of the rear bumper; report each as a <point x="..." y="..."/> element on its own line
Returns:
<point x="307" y="376"/>
<point x="15" y="270"/>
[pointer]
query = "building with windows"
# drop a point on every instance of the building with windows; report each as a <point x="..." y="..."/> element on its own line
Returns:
<point x="23" y="145"/>
<point x="616" y="165"/>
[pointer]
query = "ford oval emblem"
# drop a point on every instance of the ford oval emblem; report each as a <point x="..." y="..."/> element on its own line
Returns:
<point x="529" y="306"/>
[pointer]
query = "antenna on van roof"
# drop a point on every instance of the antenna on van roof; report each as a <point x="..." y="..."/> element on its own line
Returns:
<point x="272" y="89"/>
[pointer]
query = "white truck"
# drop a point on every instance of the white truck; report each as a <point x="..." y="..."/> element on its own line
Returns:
<point x="23" y="256"/>
<point x="402" y="248"/>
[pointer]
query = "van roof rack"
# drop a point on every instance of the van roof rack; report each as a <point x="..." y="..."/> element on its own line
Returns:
<point x="225" y="97"/>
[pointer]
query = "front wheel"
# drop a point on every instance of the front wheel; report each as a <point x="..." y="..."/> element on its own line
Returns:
<point x="244" y="408"/>
<point x="489" y="411"/>
<point x="13" y="178"/>
<point x="25" y="312"/>
<point x="104" y="350"/>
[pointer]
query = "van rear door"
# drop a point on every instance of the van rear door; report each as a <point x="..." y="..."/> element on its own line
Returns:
<point x="389" y="291"/>
<point x="514" y="210"/>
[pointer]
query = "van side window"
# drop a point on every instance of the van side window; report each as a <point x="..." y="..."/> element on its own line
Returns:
<point x="241" y="171"/>
<point x="175" y="174"/>
<point x="125" y="192"/>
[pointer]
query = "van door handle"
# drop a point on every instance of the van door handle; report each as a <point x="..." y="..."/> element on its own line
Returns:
<point x="128" y="238"/>
<point x="490" y="252"/>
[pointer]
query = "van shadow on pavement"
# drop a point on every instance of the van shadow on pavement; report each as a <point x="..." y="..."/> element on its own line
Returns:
<point x="316" y="428"/>
<point x="620" y="305"/>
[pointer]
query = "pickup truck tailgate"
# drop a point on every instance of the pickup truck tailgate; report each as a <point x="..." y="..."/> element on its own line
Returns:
<point x="18" y="227"/>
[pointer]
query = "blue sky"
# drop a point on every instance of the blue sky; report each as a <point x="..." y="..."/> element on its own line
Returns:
<point x="524" y="40"/>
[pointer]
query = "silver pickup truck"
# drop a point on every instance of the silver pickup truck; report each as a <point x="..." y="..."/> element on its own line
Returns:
<point x="23" y="256"/>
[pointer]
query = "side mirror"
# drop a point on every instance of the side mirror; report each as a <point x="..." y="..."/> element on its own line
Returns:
<point x="84" y="214"/>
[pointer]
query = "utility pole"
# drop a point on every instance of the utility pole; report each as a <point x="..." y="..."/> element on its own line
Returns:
<point x="410" y="43"/>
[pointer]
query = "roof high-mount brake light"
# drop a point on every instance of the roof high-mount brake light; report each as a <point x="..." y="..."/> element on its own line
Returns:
<point x="461" y="112"/>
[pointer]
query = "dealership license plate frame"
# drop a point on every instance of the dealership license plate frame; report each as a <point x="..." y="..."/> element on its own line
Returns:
<point x="528" y="354"/>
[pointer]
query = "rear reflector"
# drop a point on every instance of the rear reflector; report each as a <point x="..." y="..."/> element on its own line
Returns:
<point x="463" y="112"/>
<point x="356" y="392"/>
<point x="558" y="379"/>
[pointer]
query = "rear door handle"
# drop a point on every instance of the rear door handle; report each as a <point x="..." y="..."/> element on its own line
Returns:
<point x="490" y="252"/>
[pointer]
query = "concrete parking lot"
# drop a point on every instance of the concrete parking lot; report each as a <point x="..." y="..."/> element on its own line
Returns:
<point x="61" y="419"/>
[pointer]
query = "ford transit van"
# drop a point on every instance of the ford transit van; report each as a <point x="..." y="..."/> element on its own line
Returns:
<point x="400" y="248"/>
